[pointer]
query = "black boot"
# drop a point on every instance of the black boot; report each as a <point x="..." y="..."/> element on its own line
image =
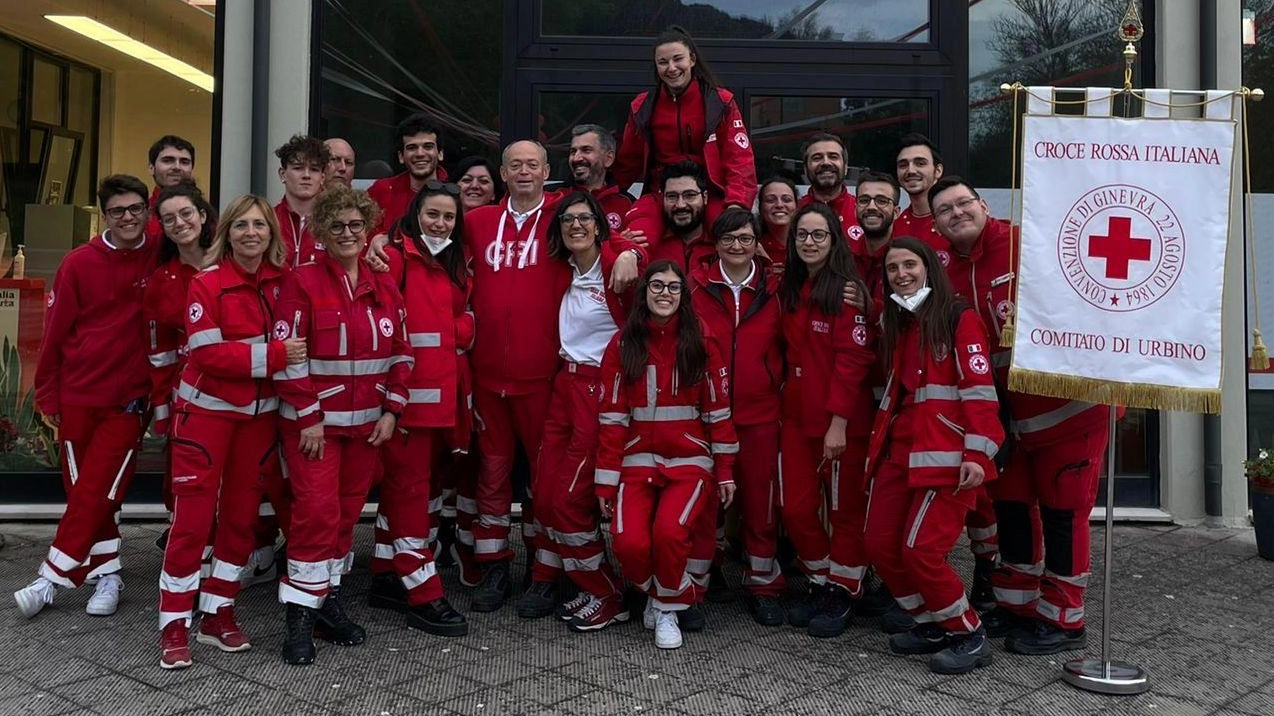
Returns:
<point x="387" y="592"/>
<point x="765" y="610"/>
<point x="1000" y="622"/>
<point x="718" y="590"/>
<point x="875" y="602"/>
<point x="439" y="618"/>
<point x="964" y="653"/>
<point x="446" y="538"/>
<point x="692" y="618"/>
<point x="298" y="644"/>
<point x="494" y="588"/>
<point x="800" y="613"/>
<point x="833" y="617"/>
<point x="1043" y="638"/>
<point x="927" y="638"/>
<point x="334" y="625"/>
<point x="539" y="601"/>
<point x="982" y="594"/>
<point x="896" y="621"/>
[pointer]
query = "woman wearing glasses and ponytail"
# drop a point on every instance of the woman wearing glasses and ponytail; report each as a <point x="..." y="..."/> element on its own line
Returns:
<point x="932" y="448"/>
<point x="666" y="444"/>
<point x="427" y="263"/>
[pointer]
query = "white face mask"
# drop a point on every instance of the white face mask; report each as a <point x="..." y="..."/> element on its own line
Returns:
<point x="435" y="244"/>
<point x="914" y="301"/>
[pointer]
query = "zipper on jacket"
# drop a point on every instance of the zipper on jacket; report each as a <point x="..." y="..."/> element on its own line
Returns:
<point x="920" y="518"/>
<point x="371" y="321"/>
<point x="154" y="337"/>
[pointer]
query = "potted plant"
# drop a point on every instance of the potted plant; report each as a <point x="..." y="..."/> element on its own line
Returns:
<point x="1260" y="480"/>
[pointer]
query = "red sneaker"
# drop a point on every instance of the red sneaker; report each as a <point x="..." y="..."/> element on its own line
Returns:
<point x="222" y="631"/>
<point x="599" y="614"/>
<point x="174" y="646"/>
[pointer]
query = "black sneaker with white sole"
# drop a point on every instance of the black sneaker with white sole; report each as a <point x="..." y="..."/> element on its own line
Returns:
<point x="964" y="653"/>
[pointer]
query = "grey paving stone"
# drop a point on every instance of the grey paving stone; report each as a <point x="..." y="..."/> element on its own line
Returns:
<point x="37" y="703"/>
<point x="982" y="687"/>
<point x="57" y="668"/>
<point x="1059" y="699"/>
<point x="715" y="702"/>
<point x="932" y="703"/>
<point x="215" y="688"/>
<point x="442" y="686"/>
<point x="654" y="686"/>
<point x="607" y="702"/>
<point x="551" y="687"/>
<point x="381" y="703"/>
<point x="494" y="702"/>
<point x="1154" y="703"/>
<point x="824" y="702"/>
<point x="1256" y="703"/>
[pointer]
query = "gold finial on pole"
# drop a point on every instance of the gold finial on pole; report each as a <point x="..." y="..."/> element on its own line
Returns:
<point x="1130" y="31"/>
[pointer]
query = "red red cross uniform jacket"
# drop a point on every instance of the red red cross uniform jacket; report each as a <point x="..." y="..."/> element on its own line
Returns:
<point x="922" y="227"/>
<point x="845" y="204"/>
<point x="615" y="205"/>
<point x="359" y="357"/>
<point x="393" y="195"/>
<point x="164" y="310"/>
<point x="298" y="240"/>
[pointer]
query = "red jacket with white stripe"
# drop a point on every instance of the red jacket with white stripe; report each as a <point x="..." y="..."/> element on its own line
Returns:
<point x="845" y="204"/>
<point x="164" y="310"/>
<point x="94" y="348"/>
<point x="359" y="357"/>
<point x="985" y="279"/>
<point x="945" y="408"/>
<point x="830" y="360"/>
<point x="440" y="331"/>
<point x="517" y="290"/>
<point x="232" y="350"/>
<point x="294" y="232"/>
<point x="660" y="421"/>
<point x="749" y="336"/>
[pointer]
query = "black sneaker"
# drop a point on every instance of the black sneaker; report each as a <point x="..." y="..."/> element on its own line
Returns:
<point x="833" y="614"/>
<point x="965" y="653"/>
<point x="718" y="591"/>
<point x="1045" y="638"/>
<point x="539" y="601"/>
<point x="982" y="594"/>
<point x="801" y="612"/>
<point x="332" y="624"/>
<point x="926" y="638"/>
<point x="494" y="588"/>
<point x="765" y="610"/>
<point x="692" y="618"/>
<point x="162" y="540"/>
<point x="875" y="602"/>
<point x="1000" y="622"/>
<point x="896" y="620"/>
<point x="298" y="643"/>
<point x="439" y="618"/>
<point x="387" y="592"/>
<point x="446" y="538"/>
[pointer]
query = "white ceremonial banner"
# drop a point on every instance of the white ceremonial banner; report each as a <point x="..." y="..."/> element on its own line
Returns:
<point x="1124" y="226"/>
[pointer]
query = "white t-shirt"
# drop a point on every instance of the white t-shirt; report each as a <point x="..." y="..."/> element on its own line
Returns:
<point x="584" y="322"/>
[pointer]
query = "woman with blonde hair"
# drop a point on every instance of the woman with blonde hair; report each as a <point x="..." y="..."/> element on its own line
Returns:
<point x="224" y="427"/>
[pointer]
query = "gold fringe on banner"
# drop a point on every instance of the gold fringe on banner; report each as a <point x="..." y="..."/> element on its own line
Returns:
<point x="1260" y="359"/>
<point x="1133" y="395"/>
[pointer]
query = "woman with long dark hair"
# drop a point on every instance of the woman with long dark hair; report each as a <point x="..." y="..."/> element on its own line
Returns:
<point x="427" y="262"/>
<point x="666" y="443"/>
<point x="589" y="316"/>
<point x="688" y="116"/>
<point x="932" y="448"/>
<point x="827" y="411"/>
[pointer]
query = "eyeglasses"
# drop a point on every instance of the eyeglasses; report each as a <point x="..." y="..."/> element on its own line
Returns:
<point x="583" y="219"/>
<point x="744" y="240"/>
<point x="883" y="202"/>
<point x="946" y="210"/>
<point x="657" y="287"/>
<point x="818" y="236"/>
<point x="117" y="212"/>
<point x="443" y="186"/>
<point x="337" y="228"/>
<point x="671" y="197"/>
<point x="187" y="214"/>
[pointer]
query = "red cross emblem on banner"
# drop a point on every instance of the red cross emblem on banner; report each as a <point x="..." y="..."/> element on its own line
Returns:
<point x="1119" y="247"/>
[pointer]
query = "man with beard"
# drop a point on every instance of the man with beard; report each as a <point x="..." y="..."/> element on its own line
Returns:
<point x="172" y="161"/>
<point x="302" y="163"/>
<point x="340" y="163"/>
<point x="826" y="161"/>
<point x="592" y="154"/>
<point x="420" y="151"/>
<point x="876" y="213"/>
<point x="684" y="191"/>
<point x="919" y="166"/>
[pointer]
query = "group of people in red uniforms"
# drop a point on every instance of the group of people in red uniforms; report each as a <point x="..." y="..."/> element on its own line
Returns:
<point x="830" y="367"/>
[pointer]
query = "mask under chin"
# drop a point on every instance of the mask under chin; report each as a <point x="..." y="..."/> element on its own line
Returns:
<point x="914" y="301"/>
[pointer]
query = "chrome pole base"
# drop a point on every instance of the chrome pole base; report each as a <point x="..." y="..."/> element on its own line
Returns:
<point x="1115" y="678"/>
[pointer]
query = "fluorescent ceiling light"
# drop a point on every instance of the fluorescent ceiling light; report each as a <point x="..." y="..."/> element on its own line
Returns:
<point x="94" y="30"/>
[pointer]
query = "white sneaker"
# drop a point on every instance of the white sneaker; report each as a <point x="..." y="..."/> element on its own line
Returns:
<point x="667" y="633"/>
<point x="105" y="599"/>
<point x="35" y="596"/>
<point x="260" y="568"/>
<point x="648" y="616"/>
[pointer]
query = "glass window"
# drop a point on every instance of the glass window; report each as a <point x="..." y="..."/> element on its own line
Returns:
<point x="374" y="74"/>
<point x="829" y="21"/>
<point x="870" y="127"/>
<point x="46" y="92"/>
<point x="81" y="116"/>
<point x="1065" y="43"/>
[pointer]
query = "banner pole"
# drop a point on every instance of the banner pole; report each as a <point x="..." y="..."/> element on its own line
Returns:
<point x="1104" y="676"/>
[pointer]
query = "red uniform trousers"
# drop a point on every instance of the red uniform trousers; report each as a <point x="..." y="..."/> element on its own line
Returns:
<point x="99" y="455"/>
<point x="462" y="482"/>
<point x="221" y="469"/>
<point x="504" y="422"/>
<point x="423" y="460"/>
<point x="908" y="534"/>
<point x="1043" y="501"/>
<point x="756" y="475"/>
<point x="984" y="540"/>
<point x="807" y="484"/>
<point x="565" y="502"/>
<point x="705" y="546"/>
<point x="665" y="503"/>
<point x="328" y="495"/>
<point x="404" y="495"/>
